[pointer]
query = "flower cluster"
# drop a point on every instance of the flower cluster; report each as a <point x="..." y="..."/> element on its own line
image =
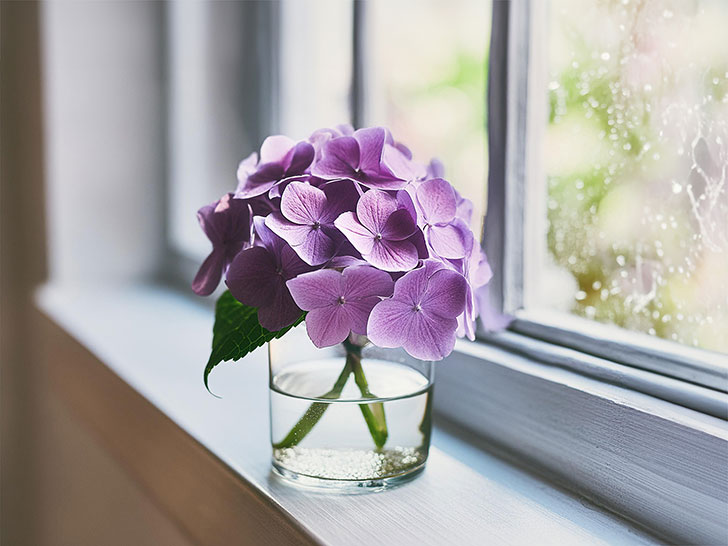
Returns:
<point x="348" y="227"/>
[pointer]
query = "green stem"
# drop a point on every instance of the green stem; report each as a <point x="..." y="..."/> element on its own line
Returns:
<point x="315" y="411"/>
<point x="373" y="412"/>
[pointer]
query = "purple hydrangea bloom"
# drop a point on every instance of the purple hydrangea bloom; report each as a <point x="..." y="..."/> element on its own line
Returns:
<point x="422" y="314"/>
<point x="381" y="230"/>
<point x="227" y="224"/>
<point x="360" y="157"/>
<point x="257" y="277"/>
<point x="281" y="159"/>
<point x="306" y="218"/>
<point x="339" y="303"/>
<point x="437" y="204"/>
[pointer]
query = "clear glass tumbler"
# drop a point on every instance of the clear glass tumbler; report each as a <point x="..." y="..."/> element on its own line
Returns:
<point x="348" y="417"/>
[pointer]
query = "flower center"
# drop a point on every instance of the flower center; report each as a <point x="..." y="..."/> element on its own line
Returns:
<point x="316" y="225"/>
<point x="342" y="301"/>
<point x="279" y="271"/>
<point x="378" y="237"/>
<point x="417" y="307"/>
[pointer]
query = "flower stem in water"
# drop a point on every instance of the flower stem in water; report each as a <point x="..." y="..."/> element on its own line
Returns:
<point x="373" y="413"/>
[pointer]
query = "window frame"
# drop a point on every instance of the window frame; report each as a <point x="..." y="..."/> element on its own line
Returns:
<point x="516" y="113"/>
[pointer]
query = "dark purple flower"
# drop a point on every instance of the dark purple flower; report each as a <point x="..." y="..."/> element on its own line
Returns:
<point x="281" y="159"/>
<point x="257" y="277"/>
<point x="360" y="158"/>
<point x="227" y="224"/>
<point x="339" y="303"/>
<point x="437" y="204"/>
<point x="380" y="230"/>
<point x="306" y="218"/>
<point x="422" y="314"/>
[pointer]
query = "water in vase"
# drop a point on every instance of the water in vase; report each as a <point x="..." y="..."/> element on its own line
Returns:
<point x="319" y="428"/>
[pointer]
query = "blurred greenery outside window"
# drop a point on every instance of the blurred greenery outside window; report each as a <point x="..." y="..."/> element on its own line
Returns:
<point x="636" y="159"/>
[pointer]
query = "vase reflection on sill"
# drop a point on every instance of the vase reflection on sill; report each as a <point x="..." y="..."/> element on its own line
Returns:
<point x="349" y="417"/>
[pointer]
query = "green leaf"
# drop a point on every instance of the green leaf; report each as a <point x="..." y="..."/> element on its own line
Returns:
<point x="237" y="332"/>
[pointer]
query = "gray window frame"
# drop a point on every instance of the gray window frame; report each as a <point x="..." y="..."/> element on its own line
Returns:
<point x="513" y="120"/>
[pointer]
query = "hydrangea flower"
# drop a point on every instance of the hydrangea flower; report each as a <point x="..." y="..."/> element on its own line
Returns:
<point x="422" y="314"/>
<point x="360" y="158"/>
<point x="306" y="218"/>
<point x="257" y="277"/>
<point x="349" y="227"/>
<point x="281" y="159"/>
<point x="437" y="204"/>
<point x="227" y="224"/>
<point x="339" y="303"/>
<point x="380" y="230"/>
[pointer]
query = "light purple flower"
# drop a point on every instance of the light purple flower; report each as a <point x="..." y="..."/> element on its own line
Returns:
<point x="306" y="218"/>
<point x="227" y="224"/>
<point x="476" y="270"/>
<point x="380" y="229"/>
<point x="422" y="314"/>
<point x="257" y="277"/>
<point x="281" y="159"/>
<point x="339" y="303"/>
<point x="360" y="158"/>
<point x="437" y="204"/>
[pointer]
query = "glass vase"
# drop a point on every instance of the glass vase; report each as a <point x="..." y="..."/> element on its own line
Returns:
<point x="352" y="417"/>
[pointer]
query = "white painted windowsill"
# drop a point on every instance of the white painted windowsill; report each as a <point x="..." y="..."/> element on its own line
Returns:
<point x="157" y="341"/>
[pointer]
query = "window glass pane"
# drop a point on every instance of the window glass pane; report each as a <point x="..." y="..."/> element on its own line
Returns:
<point x="636" y="160"/>
<point x="315" y="72"/>
<point x="426" y="81"/>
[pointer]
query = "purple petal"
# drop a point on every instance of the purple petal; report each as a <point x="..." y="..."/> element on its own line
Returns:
<point x="435" y="169"/>
<point x="266" y="237"/>
<point x="371" y="144"/>
<point x="340" y="159"/>
<point x="437" y="201"/>
<point x="317" y="247"/>
<point x="328" y="326"/>
<point x="404" y="201"/>
<point x="301" y="158"/>
<point x="430" y="338"/>
<point x="260" y="181"/>
<point x="418" y="239"/>
<point x="357" y="234"/>
<point x="293" y="234"/>
<point x="226" y="221"/>
<point x="341" y="196"/>
<point x="252" y="276"/>
<point x="400" y="166"/>
<point x="316" y="289"/>
<point x="247" y="167"/>
<point x="392" y="255"/>
<point x="364" y="281"/>
<point x="275" y="148"/>
<point x="208" y="277"/>
<point x="388" y="323"/>
<point x="445" y="295"/>
<point x="399" y="226"/>
<point x="374" y="208"/>
<point x="282" y="311"/>
<point x="302" y="203"/>
<point x="359" y="311"/>
<point x="345" y="261"/>
<point x="291" y="265"/>
<point x="452" y="240"/>
<point x="411" y="288"/>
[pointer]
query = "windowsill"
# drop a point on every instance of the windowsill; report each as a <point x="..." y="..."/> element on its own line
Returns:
<point x="156" y="342"/>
